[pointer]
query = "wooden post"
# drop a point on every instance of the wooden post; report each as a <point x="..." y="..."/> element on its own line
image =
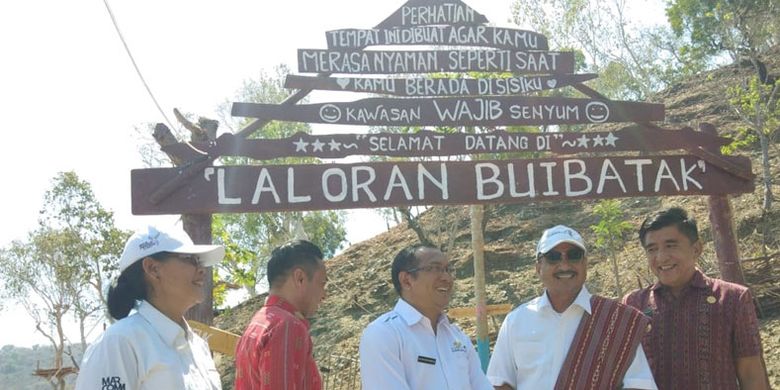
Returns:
<point x="199" y="229"/>
<point x="478" y="247"/>
<point x="725" y="239"/>
<point x="721" y="220"/>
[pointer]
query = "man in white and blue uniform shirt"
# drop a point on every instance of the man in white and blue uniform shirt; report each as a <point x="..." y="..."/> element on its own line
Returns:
<point x="414" y="346"/>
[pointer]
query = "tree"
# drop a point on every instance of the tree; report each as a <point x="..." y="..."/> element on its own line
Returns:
<point x="43" y="277"/>
<point x="71" y="206"/>
<point x="756" y="105"/>
<point x="250" y="238"/>
<point x="741" y="28"/>
<point x="610" y="234"/>
<point x="62" y="267"/>
<point x="633" y="59"/>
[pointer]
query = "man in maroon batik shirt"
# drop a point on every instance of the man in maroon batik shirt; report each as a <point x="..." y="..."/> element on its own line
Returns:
<point x="276" y="352"/>
<point x="704" y="332"/>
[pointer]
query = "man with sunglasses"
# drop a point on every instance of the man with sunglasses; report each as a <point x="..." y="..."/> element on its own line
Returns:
<point x="568" y="338"/>
<point x="414" y="346"/>
<point x="705" y="331"/>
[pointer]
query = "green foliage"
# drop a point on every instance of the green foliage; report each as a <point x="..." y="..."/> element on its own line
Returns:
<point x="633" y="59"/>
<point x="45" y="280"/>
<point x="610" y="233"/>
<point x="744" y="138"/>
<point x="756" y="103"/>
<point x="611" y="228"/>
<point x="250" y="238"/>
<point x="71" y="205"/>
<point x="63" y="265"/>
<point x="76" y="240"/>
<point x="738" y="27"/>
<point x="237" y="264"/>
<point x="264" y="89"/>
<point x="43" y="267"/>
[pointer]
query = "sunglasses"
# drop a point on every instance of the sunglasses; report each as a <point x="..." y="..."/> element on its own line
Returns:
<point x="193" y="260"/>
<point x="573" y="255"/>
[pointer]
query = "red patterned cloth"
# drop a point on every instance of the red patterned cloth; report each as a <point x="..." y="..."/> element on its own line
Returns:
<point x="695" y="339"/>
<point x="603" y="347"/>
<point x="275" y="352"/>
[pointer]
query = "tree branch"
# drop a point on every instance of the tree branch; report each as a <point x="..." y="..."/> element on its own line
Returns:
<point x="411" y="221"/>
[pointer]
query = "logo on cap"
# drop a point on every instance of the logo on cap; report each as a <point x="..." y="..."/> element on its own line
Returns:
<point x="150" y="242"/>
<point x="566" y="231"/>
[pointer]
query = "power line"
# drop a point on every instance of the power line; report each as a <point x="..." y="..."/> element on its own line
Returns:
<point x="137" y="70"/>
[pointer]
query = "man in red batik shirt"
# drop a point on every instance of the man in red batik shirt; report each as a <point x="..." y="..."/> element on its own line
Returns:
<point x="275" y="352"/>
<point x="704" y="332"/>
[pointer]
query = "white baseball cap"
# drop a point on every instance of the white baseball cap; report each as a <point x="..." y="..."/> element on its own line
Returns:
<point x="557" y="235"/>
<point x="151" y="240"/>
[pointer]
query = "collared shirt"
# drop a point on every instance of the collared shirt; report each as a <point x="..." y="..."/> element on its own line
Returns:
<point x="147" y="350"/>
<point x="534" y="340"/>
<point x="695" y="339"/>
<point x="399" y="350"/>
<point x="275" y="352"/>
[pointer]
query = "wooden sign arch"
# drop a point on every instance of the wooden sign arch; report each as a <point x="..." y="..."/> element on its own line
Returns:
<point x="586" y="165"/>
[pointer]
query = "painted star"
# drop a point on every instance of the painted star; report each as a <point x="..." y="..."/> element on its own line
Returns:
<point x="300" y="146"/>
<point x="598" y="140"/>
<point x="317" y="145"/>
<point x="611" y="140"/>
<point x="334" y="145"/>
<point x="583" y="141"/>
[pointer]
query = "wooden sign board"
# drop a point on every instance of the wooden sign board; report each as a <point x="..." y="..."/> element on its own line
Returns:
<point x="428" y="143"/>
<point x="430" y="12"/>
<point x="433" y="61"/>
<point x="431" y="87"/>
<point x="479" y="36"/>
<point x="482" y="111"/>
<point x="237" y="189"/>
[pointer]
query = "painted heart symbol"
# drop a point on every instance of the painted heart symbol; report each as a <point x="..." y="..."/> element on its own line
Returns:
<point x="342" y="82"/>
<point x="552" y="83"/>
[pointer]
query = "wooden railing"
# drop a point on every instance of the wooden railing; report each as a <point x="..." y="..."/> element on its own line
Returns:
<point x="219" y="340"/>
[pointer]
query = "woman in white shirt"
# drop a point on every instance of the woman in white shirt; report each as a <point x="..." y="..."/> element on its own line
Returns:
<point x="161" y="277"/>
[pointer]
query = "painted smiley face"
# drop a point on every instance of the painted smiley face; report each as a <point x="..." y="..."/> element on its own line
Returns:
<point x="597" y="112"/>
<point x="330" y="113"/>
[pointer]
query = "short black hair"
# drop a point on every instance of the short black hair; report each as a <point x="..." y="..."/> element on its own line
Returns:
<point x="404" y="261"/>
<point x="674" y="216"/>
<point x="294" y="254"/>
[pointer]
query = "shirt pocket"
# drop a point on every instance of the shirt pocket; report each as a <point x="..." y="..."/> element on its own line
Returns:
<point x="461" y="362"/>
<point x="163" y="376"/>
<point x="529" y="355"/>
<point x="461" y="378"/>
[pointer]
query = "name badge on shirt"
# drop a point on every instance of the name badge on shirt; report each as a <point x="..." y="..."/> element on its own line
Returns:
<point x="426" y="360"/>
